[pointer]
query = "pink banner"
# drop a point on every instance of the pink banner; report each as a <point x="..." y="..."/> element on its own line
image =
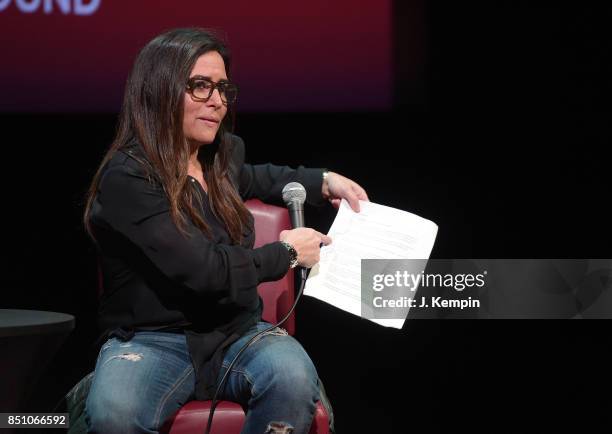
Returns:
<point x="319" y="55"/>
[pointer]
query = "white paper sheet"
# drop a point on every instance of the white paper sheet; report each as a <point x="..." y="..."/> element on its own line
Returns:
<point x="376" y="232"/>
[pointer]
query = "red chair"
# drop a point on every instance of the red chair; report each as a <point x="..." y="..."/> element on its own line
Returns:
<point x="278" y="298"/>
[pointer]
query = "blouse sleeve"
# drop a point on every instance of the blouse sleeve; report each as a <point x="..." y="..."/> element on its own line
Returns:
<point x="139" y="210"/>
<point x="266" y="181"/>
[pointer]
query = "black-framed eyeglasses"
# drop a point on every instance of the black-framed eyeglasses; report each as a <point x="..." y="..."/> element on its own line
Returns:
<point x="202" y="88"/>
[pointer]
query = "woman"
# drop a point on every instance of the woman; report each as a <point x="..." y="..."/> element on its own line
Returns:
<point x="176" y="241"/>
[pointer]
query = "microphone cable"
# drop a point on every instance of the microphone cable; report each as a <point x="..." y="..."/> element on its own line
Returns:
<point x="303" y="274"/>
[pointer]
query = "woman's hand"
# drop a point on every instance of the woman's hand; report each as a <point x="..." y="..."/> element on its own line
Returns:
<point x="337" y="187"/>
<point x="307" y="243"/>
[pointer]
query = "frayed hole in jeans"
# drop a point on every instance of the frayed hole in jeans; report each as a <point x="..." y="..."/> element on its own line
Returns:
<point x="277" y="331"/>
<point x="279" y="428"/>
<point x="132" y="357"/>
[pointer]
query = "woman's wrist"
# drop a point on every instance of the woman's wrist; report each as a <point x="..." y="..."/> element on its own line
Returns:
<point x="325" y="185"/>
<point x="293" y="261"/>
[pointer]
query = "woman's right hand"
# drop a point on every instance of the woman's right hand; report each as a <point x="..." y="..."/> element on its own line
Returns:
<point x="307" y="244"/>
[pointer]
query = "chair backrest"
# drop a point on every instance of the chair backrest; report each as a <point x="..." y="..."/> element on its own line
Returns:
<point x="278" y="296"/>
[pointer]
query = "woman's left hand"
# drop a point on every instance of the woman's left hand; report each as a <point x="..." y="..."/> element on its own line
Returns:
<point x="337" y="187"/>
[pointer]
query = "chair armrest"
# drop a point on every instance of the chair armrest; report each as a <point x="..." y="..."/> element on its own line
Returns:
<point x="278" y="296"/>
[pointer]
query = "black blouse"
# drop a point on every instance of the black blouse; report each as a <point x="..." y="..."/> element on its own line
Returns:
<point x="156" y="278"/>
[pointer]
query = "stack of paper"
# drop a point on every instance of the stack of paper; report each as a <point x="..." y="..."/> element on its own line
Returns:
<point x="376" y="232"/>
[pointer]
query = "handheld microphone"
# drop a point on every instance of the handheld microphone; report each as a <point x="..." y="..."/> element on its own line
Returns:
<point x="294" y="196"/>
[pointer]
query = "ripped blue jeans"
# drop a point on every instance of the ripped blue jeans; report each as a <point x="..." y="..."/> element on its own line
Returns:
<point x="138" y="384"/>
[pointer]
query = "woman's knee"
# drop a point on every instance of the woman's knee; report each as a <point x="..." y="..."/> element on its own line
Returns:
<point x="108" y="411"/>
<point x="298" y="385"/>
<point x="289" y="374"/>
<point x="136" y="384"/>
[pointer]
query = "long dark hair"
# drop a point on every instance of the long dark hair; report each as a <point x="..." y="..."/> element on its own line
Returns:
<point x="152" y="115"/>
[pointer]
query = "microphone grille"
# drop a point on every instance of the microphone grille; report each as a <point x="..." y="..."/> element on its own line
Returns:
<point x="294" y="192"/>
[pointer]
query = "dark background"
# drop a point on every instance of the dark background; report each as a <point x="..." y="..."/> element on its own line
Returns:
<point x="499" y="134"/>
